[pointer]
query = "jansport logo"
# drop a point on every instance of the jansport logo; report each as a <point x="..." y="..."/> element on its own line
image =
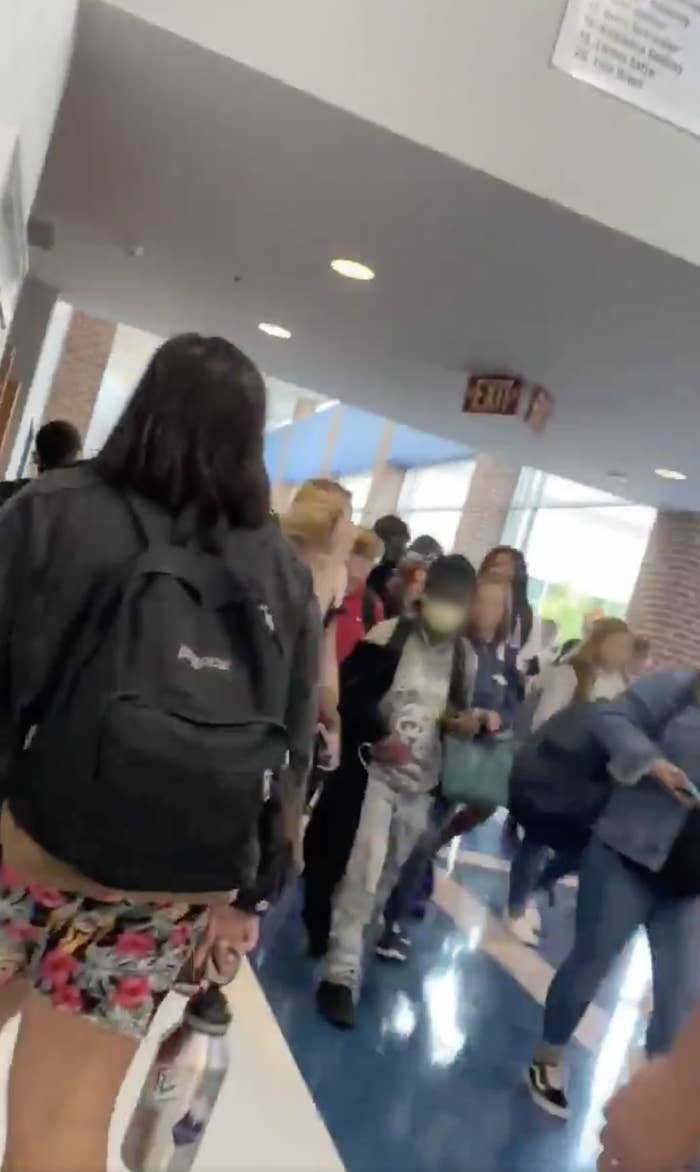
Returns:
<point x="202" y="662"/>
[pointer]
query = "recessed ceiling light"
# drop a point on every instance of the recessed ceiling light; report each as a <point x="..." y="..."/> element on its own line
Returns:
<point x="274" y="331"/>
<point x="353" y="269"/>
<point x="670" y="474"/>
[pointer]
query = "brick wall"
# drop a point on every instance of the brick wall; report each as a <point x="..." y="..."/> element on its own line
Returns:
<point x="486" y="508"/>
<point x="86" y="352"/>
<point x="665" y="605"/>
<point x="387" y="481"/>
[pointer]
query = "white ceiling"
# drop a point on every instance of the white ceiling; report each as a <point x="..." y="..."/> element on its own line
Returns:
<point x="131" y="352"/>
<point x="471" y="79"/>
<point x="221" y="172"/>
<point x="35" y="47"/>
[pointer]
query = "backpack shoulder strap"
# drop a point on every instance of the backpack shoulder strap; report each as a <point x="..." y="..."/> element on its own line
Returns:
<point x="400" y="635"/>
<point x="369" y="601"/>
<point x="151" y="523"/>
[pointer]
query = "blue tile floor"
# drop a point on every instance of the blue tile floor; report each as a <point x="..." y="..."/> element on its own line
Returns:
<point x="432" y="1077"/>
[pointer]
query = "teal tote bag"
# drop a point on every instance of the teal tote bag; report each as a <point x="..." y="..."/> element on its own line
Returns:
<point x="477" y="773"/>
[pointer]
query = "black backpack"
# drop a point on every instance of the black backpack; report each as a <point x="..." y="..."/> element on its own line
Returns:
<point x="559" y="784"/>
<point x="153" y="758"/>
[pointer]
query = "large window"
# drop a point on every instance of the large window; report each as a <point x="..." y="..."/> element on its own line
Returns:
<point x="358" y="487"/>
<point x="584" y="547"/>
<point x="432" y="499"/>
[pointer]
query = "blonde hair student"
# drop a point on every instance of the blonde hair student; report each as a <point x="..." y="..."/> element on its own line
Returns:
<point x="595" y="670"/>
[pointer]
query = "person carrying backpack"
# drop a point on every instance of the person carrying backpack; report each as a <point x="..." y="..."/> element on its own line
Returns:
<point x="640" y="869"/>
<point x="596" y="670"/>
<point x="158" y="662"/>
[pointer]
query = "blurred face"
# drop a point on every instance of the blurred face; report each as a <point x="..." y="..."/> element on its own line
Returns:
<point x="416" y="586"/>
<point x="445" y="611"/>
<point x="359" y="569"/>
<point x="641" y="662"/>
<point x="504" y="565"/>
<point x="615" y="652"/>
<point x="487" y="609"/>
<point x="395" y="547"/>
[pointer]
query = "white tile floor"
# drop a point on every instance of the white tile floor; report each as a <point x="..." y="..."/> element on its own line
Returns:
<point x="265" y="1120"/>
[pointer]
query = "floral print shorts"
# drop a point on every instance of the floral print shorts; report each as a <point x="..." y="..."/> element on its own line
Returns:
<point x="110" y="962"/>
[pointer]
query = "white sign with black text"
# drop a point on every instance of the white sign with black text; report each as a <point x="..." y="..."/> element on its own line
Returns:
<point x="646" y="52"/>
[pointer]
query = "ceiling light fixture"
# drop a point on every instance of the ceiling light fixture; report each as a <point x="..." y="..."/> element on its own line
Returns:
<point x="670" y="474"/>
<point x="274" y="331"/>
<point x="354" y="270"/>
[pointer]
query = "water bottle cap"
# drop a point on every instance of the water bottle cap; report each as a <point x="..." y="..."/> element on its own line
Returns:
<point x="208" y="1011"/>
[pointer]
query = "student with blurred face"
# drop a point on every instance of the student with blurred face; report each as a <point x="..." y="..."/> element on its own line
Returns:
<point x="399" y="720"/>
<point x="394" y="536"/>
<point x="596" y="670"/>
<point x="361" y="609"/>
<point x="497" y="693"/>
<point x="319" y="526"/>
<point x="405" y="588"/>
<point x="424" y="549"/>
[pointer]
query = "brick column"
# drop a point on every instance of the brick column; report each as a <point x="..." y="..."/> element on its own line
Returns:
<point x="665" y="605"/>
<point x="78" y="376"/>
<point x="336" y="424"/>
<point x="387" y="481"/>
<point x="486" y="508"/>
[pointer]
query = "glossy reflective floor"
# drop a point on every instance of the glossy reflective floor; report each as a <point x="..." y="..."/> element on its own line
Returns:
<point x="431" y="1079"/>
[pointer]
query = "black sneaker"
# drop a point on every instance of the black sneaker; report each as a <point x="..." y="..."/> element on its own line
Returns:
<point x="335" y="1003"/>
<point x="546" y="1085"/>
<point x="392" y="945"/>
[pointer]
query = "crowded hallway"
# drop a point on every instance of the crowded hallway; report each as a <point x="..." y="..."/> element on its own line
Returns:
<point x="349" y="608"/>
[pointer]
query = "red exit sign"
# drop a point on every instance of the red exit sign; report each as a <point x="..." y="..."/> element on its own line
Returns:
<point x="492" y="395"/>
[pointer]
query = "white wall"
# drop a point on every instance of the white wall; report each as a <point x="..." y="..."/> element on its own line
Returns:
<point x="470" y="78"/>
<point x="42" y="382"/>
<point x="36" y="40"/>
<point x="131" y="353"/>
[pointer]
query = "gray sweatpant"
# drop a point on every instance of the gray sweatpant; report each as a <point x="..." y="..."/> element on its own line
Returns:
<point x="390" y="825"/>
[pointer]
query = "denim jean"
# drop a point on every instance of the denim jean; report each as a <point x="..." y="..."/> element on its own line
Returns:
<point x="536" y="866"/>
<point x="614" y="901"/>
<point x="528" y="861"/>
<point x="411" y="881"/>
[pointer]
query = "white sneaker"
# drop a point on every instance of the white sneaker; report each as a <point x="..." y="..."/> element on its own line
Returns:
<point x="524" y="928"/>
<point x="532" y="913"/>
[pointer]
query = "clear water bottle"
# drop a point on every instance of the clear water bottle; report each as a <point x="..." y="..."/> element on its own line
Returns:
<point x="181" y="1088"/>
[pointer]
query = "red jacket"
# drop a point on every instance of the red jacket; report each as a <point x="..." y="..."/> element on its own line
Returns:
<point x="350" y="626"/>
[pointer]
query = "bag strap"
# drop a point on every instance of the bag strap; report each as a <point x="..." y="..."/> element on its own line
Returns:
<point x="156" y="527"/>
<point x="457" y="693"/>
<point x="401" y="634"/>
<point x="369" y="600"/>
<point x="152" y="524"/>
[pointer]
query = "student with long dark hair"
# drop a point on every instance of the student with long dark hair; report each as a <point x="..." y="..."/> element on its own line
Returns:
<point x="507" y="561"/>
<point x="87" y="965"/>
